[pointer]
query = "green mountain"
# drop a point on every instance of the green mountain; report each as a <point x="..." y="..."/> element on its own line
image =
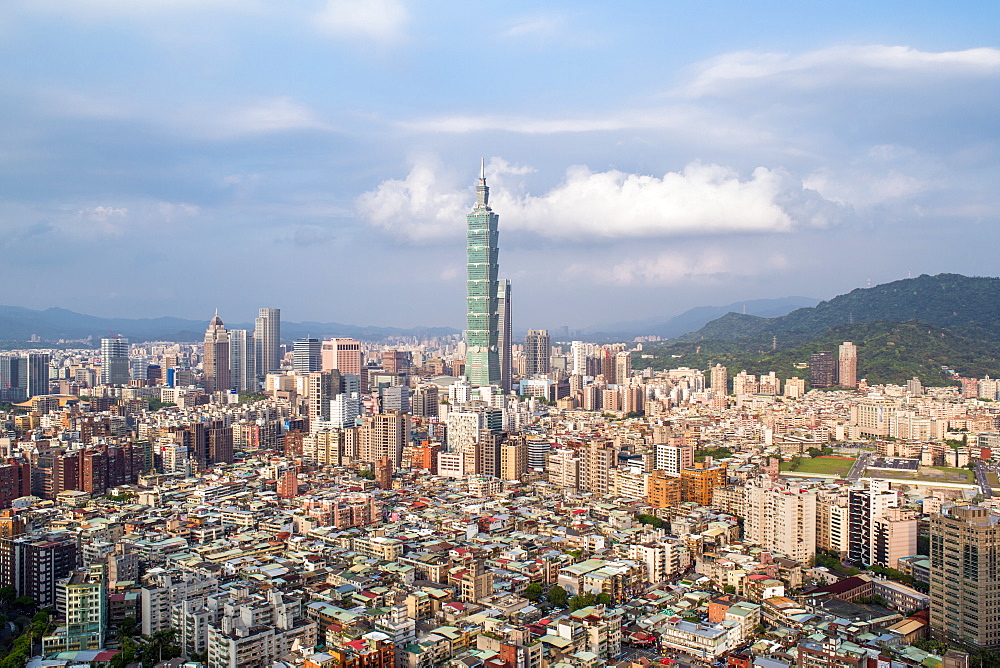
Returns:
<point x="888" y="352"/>
<point x="962" y="304"/>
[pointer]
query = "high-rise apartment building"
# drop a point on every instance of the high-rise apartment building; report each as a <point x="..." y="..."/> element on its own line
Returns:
<point x="848" y="361"/>
<point x="216" y="358"/>
<point x="623" y="368"/>
<point x="537" y="352"/>
<point x="822" y="369"/>
<point x="505" y="341"/>
<point x="114" y="361"/>
<point x="33" y="564"/>
<point x="965" y="576"/>
<point x="267" y="337"/>
<point x="242" y="361"/>
<point x="306" y="356"/>
<point x="384" y="436"/>
<point x="482" y="336"/>
<point x="10" y="373"/>
<point x="781" y="519"/>
<point x="719" y="379"/>
<point x="344" y="355"/>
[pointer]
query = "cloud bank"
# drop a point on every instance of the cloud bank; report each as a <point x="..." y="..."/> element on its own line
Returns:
<point x="701" y="199"/>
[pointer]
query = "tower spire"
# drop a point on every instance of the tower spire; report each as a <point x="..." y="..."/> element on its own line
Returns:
<point x="482" y="190"/>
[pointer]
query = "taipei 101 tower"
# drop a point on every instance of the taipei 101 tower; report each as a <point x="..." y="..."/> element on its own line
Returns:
<point x="482" y="358"/>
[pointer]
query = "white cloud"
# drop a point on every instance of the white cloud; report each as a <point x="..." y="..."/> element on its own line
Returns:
<point x="382" y="21"/>
<point x="671" y="268"/>
<point x="270" y="115"/>
<point x="835" y="66"/>
<point x="537" y="25"/>
<point x="700" y="199"/>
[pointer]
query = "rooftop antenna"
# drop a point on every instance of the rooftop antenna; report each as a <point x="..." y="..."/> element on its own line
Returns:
<point x="482" y="168"/>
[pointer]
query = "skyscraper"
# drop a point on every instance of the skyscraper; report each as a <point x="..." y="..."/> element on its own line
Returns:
<point x="267" y="336"/>
<point x="114" y="361"/>
<point x="216" y="359"/>
<point x="306" y="355"/>
<point x="344" y="355"/>
<point x="822" y="369"/>
<point x="848" y="359"/>
<point x="505" y="343"/>
<point x="242" y="360"/>
<point x="537" y="352"/>
<point x="482" y="359"/>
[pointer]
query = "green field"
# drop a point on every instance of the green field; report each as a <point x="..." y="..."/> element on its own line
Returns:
<point x="825" y="465"/>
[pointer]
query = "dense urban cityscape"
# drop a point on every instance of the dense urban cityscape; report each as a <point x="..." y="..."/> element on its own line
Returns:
<point x="480" y="501"/>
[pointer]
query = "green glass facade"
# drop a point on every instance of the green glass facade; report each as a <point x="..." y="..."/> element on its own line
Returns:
<point x="482" y="358"/>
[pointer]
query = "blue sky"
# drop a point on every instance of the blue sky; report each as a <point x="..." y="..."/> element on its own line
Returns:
<point x="174" y="156"/>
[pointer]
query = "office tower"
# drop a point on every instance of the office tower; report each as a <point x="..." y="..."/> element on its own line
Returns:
<point x="848" y="359"/>
<point x="345" y="407"/>
<point x="33" y="564"/>
<point x="216" y="358"/>
<point x="396" y="361"/>
<point x="482" y="358"/>
<point x="306" y="356"/>
<point x="537" y="352"/>
<point x="267" y="337"/>
<point x="395" y="398"/>
<point x="965" y="563"/>
<point x="33" y="374"/>
<point x="242" y="361"/>
<point x="719" y="378"/>
<point x="505" y="341"/>
<point x="114" y="361"/>
<point x="822" y="369"/>
<point x="781" y="519"/>
<point x="344" y="355"/>
<point x="322" y="388"/>
<point x="10" y="374"/>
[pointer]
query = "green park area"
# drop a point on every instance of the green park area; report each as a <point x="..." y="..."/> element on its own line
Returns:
<point x="823" y="465"/>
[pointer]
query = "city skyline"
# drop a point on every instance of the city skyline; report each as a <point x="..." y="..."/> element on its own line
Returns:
<point x="647" y="155"/>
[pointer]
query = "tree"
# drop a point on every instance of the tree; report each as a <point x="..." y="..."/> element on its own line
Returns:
<point x="582" y="601"/>
<point x="604" y="599"/>
<point x="557" y="596"/>
<point x="651" y="520"/>
<point x="533" y="591"/>
<point x="729" y="589"/>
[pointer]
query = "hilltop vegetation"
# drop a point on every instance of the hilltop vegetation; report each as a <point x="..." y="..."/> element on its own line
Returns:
<point x="964" y="304"/>
<point x="888" y="352"/>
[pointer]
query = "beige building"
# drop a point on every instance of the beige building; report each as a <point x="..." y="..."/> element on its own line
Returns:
<point x="964" y="580"/>
<point x="781" y="519"/>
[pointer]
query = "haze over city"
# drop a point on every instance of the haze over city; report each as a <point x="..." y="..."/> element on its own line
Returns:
<point x="168" y="158"/>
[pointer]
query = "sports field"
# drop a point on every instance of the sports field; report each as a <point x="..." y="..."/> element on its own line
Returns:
<point x="826" y="465"/>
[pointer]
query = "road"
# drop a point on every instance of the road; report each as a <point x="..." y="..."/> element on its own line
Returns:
<point x="859" y="466"/>
<point x="983" y="481"/>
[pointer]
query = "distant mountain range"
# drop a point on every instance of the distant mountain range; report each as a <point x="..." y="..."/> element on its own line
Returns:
<point x="699" y="316"/>
<point x="20" y="324"/>
<point x="929" y="326"/>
